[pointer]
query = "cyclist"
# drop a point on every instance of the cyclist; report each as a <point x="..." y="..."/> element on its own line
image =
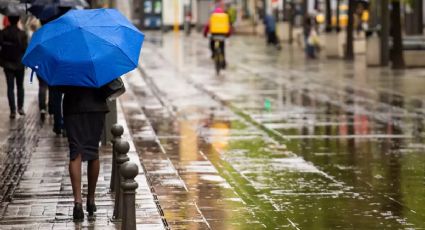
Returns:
<point x="218" y="26"/>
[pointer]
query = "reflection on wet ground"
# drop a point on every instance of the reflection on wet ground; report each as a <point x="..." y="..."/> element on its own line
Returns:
<point x="278" y="142"/>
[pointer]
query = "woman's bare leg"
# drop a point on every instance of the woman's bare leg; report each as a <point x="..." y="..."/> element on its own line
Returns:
<point x="93" y="168"/>
<point x="75" y="174"/>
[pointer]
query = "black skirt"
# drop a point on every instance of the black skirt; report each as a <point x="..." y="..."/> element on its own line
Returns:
<point x="84" y="131"/>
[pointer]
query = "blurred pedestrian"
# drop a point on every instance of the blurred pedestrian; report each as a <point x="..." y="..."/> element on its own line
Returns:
<point x="232" y="12"/>
<point x="55" y="106"/>
<point x="270" y="30"/>
<point x="42" y="94"/>
<point x="218" y="26"/>
<point x="84" y="115"/>
<point x="34" y="25"/>
<point x="55" y="95"/>
<point x="309" y="32"/>
<point x="13" y="42"/>
<point x="5" y="22"/>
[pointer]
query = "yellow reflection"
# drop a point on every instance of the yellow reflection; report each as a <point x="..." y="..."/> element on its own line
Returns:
<point x="220" y="134"/>
<point x="188" y="152"/>
<point x="188" y="148"/>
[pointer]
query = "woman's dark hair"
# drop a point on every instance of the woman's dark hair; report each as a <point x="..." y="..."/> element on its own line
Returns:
<point x="13" y="20"/>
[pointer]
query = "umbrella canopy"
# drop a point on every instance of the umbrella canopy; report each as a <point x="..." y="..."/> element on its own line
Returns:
<point x="4" y="3"/>
<point x="76" y="4"/>
<point x="71" y="3"/>
<point x="13" y="9"/>
<point x="48" y="9"/>
<point x="44" y="11"/>
<point x="86" y="48"/>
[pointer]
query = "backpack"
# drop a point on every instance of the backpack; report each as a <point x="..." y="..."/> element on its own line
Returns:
<point x="219" y="23"/>
<point x="12" y="48"/>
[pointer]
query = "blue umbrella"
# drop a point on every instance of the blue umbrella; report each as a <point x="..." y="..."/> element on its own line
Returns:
<point x="84" y="48"/>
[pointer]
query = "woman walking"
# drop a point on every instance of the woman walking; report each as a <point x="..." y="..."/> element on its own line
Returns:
<point x="83" y="70"/>
<point x="84" y="112"/>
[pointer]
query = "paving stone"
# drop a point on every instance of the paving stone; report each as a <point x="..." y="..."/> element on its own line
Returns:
<point x="43" y="197"/>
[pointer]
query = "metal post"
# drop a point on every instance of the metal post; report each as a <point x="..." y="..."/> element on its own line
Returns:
<point x="116" y="130"/>
<point x="328" y="16"/>
<point x="121" y="148"/>
<point x="349" y="42"/>
<point x="385" y="33"/>
<point x="129" y="171"/>
<point x="176" y="16"/>
<point x="338" y="13"/>
<point x="291" y="22"/>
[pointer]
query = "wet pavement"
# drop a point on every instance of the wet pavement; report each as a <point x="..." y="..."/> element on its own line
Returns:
<point x="16" y="139"/>
<point x="277" y="141"/>
<point x="36" y="192"/>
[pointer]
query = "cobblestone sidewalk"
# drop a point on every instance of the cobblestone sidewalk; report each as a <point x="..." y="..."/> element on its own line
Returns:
<point x="40" y="192"/>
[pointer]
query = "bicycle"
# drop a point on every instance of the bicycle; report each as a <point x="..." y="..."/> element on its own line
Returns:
<point x="218" y="56"/>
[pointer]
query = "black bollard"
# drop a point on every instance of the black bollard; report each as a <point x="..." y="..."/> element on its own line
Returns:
<point x="117" y="131"/>
<point x="129" y="171"/>
<point x="121" y="148"/>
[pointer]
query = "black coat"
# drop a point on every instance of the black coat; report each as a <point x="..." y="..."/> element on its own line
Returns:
<point x="13" y="42"/>
<point x="79" y="100"/>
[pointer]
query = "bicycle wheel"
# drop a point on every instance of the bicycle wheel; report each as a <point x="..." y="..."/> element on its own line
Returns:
<point x="217" y="60"/>
<point x="217" y="67"/>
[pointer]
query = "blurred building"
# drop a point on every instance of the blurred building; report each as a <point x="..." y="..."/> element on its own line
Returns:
<point x="165" y="14"/>
<point x="168" y="14"/>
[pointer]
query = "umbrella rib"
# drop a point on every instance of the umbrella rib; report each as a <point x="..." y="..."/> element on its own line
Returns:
<point x="46" y="49"/>
<point x="113" y="18"/>
<point x="91" y="57"/>
<point x="135" y="64"/>
<point x="88" y="48"/>
<point x="128" y="27"/>
<point x="57" y="35"/>
<point x="49" y="39"/>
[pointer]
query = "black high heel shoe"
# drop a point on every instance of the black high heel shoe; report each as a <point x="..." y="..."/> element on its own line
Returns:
<point x="91" y="207"/>
<point x="78" y="213"/>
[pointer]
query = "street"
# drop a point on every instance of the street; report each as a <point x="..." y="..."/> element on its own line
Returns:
<point x="317" y="120"/>
<point x="278" y="141"/>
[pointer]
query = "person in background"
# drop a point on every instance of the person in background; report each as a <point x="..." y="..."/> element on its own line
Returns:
<point x="232" y="12"/>
<point x="5" y="22"/>
<point x="42" y="93"/>
<point x="55" y="104"/>
<point x="270" y="30"/>
<point x="308" y="32"/>
<point x="55" y="94"/>
<point x="33" y="25"/>
<point x="225" y="30"/>
<point x="14" y="42"/>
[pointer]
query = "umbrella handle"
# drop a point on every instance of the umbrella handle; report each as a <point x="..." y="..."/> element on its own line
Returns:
<point x="32" y="75"/>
